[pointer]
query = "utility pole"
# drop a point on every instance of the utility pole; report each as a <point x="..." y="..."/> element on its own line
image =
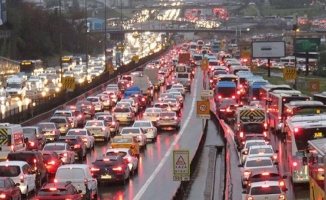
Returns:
<point x="295" y="28"/>
<point x="60" y="21"/>
<point x="86" y="42"/>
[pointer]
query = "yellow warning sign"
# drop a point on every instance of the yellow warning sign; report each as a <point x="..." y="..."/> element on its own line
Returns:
<point x="252" y="116"/>
<point x="68" y="83"/>
<point x="289" y="73"/>
<point x="3" y="136"/>
<point x="204" y="64"/>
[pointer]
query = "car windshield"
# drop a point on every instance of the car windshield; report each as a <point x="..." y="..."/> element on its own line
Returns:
<point x="100" y="123"/>
<point x="142" y="124"/>
<point x="122" y="140"/>
<point x="52" y="192"/>
<point x="259" y="163"/>
<point x="93" y="99"/>
<point x="77" y="132"/>
<point x="46" y="126"/>
<point x="130" y="131"/>
<point x="161" y="105"/>
<point x="170" y="114"/>
<point x="126" y="110"/>
<point x="54" y="147"/>
<point x="9" y="171"/>
<point x="261" y="190"/>
<point x="58" y="120"/>
<point x="261" y="151"/>
<point x="29" y="131"/>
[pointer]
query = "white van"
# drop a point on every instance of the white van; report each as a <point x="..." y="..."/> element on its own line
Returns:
<point x="20" y="172"/>
<point x="80" y="176"/>
<point x="143" y="82"/>
<point x="11" y="139"/>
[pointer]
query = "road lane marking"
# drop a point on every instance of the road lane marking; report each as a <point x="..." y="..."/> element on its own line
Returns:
<point x="167" y="154"/>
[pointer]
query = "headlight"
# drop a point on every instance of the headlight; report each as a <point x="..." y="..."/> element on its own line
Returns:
<point x="19" y="92"/>
<point x="43" y="94"/>
<point x="57" y="89"/>
<point x="46" y="89"/>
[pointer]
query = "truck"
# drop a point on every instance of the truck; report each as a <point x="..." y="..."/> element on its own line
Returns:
<point x="131" y="90"/>
<point x="250" y="123"/>
<point x="143" y="82"/>
<point x="16" y="87"/>
<point x="152" y="73"/>
<point x="11" y="139"/>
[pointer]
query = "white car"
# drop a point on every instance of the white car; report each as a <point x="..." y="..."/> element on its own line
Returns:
<point x="133" y="104"/>
<point x="127" y="155"/>
<point x="177" y="95"/>
<point x="138" y="132"/>
<point x="179" y="88"/>
<point x="69" y="114"/>
<point x="63" y="150"/>
<point x="247" y="145"/>
<point x="80" y="176"/>
<point x="148" y="127"/>
<point x="151" y="114"/>
<point x="270" y="190"/>
<point x="254" y="163"/>
<point x="174" y="104"/>
<point x="98" y="129"/>
<point x="263" y="150"/>
<point x="20" y="172"/>
<point x="97" y="102"/>
<point x="165" y="95"/>
<point x="164" y="106"/>
<point x="86" y="136"/>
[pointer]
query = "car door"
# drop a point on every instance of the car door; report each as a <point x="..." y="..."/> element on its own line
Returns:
<point x="93" y="181"/>
<point x="15" y="191"/>
<point x="30" y="177"/>
<point x="90" y="137"/>
<point x="41" y="165"/>
<point x="143" y="136"/>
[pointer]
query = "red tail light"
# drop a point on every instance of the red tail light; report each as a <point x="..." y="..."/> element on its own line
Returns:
<point x="265" y="134"/>
<point x="219" y="97"/>
<point x="77" y="146"/>
<point x="282" y="197"/>
<point x="320" y="169"/>
<point x="52" y="162"/>
<point x="102" y="129"/>
<point x="143" y="99"/>
<point x="241" y="134"/>
<point x="112" y="123"/>
<point x="117" y="169"/>
<point x="22" y="179"/>
<point x="65" y="154"/>
<point x="55" y="180"/>
<point x="32" y="144"/>
<point x="67" y="125"/>
<point x="274" y="157"/>
<point x="34" y="161"/>
<point x="246" y="173"/>
<point x="132" y="147"/>
<point x="175" y="118"/>
<point x="95" y="169"/>
<point x="295" y="164"/>
<point x="85" y="139"/>
<point x="265" y="125"/>
<point x="281" y="183"/>
<point x="250" y="198"/>
<point x="245" y="152"/>
<point x="3" y="196"/>
<point x="233" y="97"/>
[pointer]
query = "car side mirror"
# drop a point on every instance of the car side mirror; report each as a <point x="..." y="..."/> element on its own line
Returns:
<point x="244" y="192"/>
<point x="80" y="191"/>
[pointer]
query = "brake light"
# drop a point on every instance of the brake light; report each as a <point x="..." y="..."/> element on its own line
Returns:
<point x="95" y="169"/>
<point x="85" y="139"/>
<point x="79" y="116"/>
<point x="265" y="125"/>
<point x="53" y="189"/>
<point x="143" y="99"/>
<point x="112" y="123"/>
<point x="85" y="181"/>
<point x="55" y="180"/>
<point x="132" y="146"/>
<point x="246" y="173"/>
<point x="138" y="136"/>
<point x="65" y="154"/>
<point x="12" y="148"/>
<point x="32" y="144"/>
<point x="296" y="130"/>
<point x="282" y="197"/>
<point x="320" y="169"/>
<point x="52" y="162"/>
<point x="250" y="198"/>
<point x="102" y="129"/>
<point x="294" y="164"/>
<point x="34" y="160"/>
<point x="219" y="97"/>
<point x="245" y="152"/>
<point x="282" y="184"/>
<point x="76" y="146"/>
<point x="265" y="173"/>
<point x="211" y="81"/>
<point x="233" y="97"/>
<point x="241" y="134"/>
<point x="117" y="169"/>
<point x="175" y="118"/>
<point x="222" y="110"/>
<point x="3" y="196"/>
<point x="274" y="157"/>
<point x="265" y="134"/>
<point x="67" y="125"/>
<point x="265" y="186"/>
<point x="254" y="98"/>
<point x="150" y="129"/>
<point x="22" y="179"/>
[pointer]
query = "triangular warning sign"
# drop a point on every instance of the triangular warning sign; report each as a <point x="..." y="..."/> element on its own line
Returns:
<point x="180" y="161"/>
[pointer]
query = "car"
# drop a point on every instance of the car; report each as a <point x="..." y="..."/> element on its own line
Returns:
<point x="179" y="88"/>
<point x="174" y="104"/>
<point x="177" y="95"/>
<point x="63" y="150"/>
<point x="76" y="144"/>
<point x="151" y="114"/>
<point x="165" y="95"/>
<point x="263" y="150"/>
<point x="81" y="118"/>
<point x="35" y="161"/>
<point x="142" y="99"/>
<point x="168" y="119"/>
<point x="80" y="176"/>
<point x="86" y="106"/>
<point x="268" y="174"/>
<point x="225" y="102"/>
<point x="137" y="132"/>
<point x="224" y="111"/>
<point x="114" y="89"/>
<point x="110" y="121"/>
<point x="123" y="84"/>
<point x="148" y="127"/>
<point x="106" y="100"/>
<point x="86" y="136"/>
<point x="254" y="163"/>
<point x="32" y="143"/>
<point x="126" y="141"/>
<point x="63" y="124"/>
<point x="97" y="102"/>
<point x="69" y="114"/>
<point x="124" y="115"/>
<point x="98" y="129"/>
<point x="37" y="131"/>
<point x="247" y="144"/>
<point x="111" y="169"/>
<point x="128" y="157"/>
<point x="52" y="161"/>
<point x="164" y="106"/>
<point x="21" y="173"/>
<point x="9" y="189"/>
<point x="50" y="130"/>
<point x="58" y="191"/>
<point x="270" y="190"/>
<point x="134" y="105"/>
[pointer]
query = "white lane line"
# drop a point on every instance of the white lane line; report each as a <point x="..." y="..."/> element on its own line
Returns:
<point x="167" y="154"/>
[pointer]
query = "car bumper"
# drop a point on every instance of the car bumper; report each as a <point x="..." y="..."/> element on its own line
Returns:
<point x="109" y="178"/>
<point x="167" y="123"/>
<point x="98" y="108"/>
<point x="23" y="188"/>
<point x="150" y="135"/>
<point x="125" y="119"/>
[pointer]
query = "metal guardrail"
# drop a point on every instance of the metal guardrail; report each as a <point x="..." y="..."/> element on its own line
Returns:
<point x="8" y="66"/>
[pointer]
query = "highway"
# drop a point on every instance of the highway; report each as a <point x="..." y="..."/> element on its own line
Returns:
<point x="155" y="162"/>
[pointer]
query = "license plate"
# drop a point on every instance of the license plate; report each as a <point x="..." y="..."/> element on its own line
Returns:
<point x="106" y="176"/>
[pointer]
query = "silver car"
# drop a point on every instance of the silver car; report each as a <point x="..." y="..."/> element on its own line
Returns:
<point x="124" y="114"/>
<point x="168" y="119"/>
<point x="152" y="114"/>
<point x="50" y="130"/>
<point x="148" y="127"/>
<point x="63" y="150"/>
<point x="174" y="104"/>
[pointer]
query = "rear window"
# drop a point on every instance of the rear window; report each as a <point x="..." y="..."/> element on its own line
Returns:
<point x="29" y="158"/>
<point x="72" y="173"/>
<point x="265" y="190"/>
<point x="83" y="103"/>
<point x="142" y="124"/>
<point x="62" y="114"/>
<point x="93" y="99"/>
<point x="213" y="63"/>
<point x="29" y="131"/>
<point x="52" y="192"/>
<point x="259" y="163"/>
<point x="46" y="126"/>
<point x="116" y="153"/>
<point x="54" y="147"/>
<point x="58" y="121"/>
<point x="167" y="114"/>
<point x="126" y="110"/>
<point x="105" y="118"/>
<point x="151" y="110"/>
<point x="183" y="76"/>
<point x="261" y="151"/>
<point x="267" y="177"/>
<point x="94" y="123"/>
<point x="75" y="132"/>
<point x="106" y="162"/>
<point x="122" y="140"/>
<point x="161" y="105"/>
<point x="170" y="101"/>
<point x="253" y="128"/>
<point x="130" y="130"/>
<point x="9" y="171"/>
<point x="128" y="78"/>
<point x="248" y="145"/>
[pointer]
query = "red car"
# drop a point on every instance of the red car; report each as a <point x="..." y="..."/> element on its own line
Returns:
<point x="56" y="191"/>
<point x="52" y="160"/>
<point x="9" y="189"/>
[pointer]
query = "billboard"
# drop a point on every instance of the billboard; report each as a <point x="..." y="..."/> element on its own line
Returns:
<point x="268" y="49"/>
<point x="306" y="44"/>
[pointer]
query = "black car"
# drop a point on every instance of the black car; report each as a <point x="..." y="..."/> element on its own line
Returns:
<point x="142" y="100"/>
<point x="123" y="84"/>
<point x="9" y="189"/>
<point x="110" y="169"/>
<point x="76" y="144"/>
<point x="58" y="191"/>
<point x="223" y="110"/>
<point x="35" y="160"/>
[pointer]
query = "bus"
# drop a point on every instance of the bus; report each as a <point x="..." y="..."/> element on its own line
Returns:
<point x="303" y="107"/>
<point x="299" y="130"/>
<point x="316" y="168"/>
<point x="320" y="97"/>
<point x="264" y="91"/>
<point x="70" y="60"/>
<point x="31" y="67"/>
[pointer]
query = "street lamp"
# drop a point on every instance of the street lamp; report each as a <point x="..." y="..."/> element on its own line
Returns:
<point x="295" y="28"/>
<point x="86" y="43"/>
<point x="60" y="26"/>
<point x="105" y="32"/>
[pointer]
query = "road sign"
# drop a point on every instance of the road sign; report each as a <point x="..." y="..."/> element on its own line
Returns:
<point x="68" y="83"/>
<point x="207" y="93"/>
<point x="184" y="58"/>
<point x="253" y="66"/>
<point x="111" y="70"/>
<point x="306" y="44"/>
<point x="314" y="86"/>
<point x="135" y="58"/>
<point x="181" y="165"/>
<point x="204" y="64"/>
<point x="289" y="73"/>
<point x="203" y="110"/>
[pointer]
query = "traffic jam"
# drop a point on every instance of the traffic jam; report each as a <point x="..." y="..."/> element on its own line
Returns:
<point x="59" y="157"/>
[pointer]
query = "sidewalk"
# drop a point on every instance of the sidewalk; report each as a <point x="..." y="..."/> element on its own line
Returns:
<point x="203" y="183"/>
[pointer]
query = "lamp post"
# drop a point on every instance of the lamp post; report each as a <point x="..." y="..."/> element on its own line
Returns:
<point x="60" y="26"/>
<point x="295" y="29"/>
<point x="105" y="32"/>
<point x="86" y="42"/>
